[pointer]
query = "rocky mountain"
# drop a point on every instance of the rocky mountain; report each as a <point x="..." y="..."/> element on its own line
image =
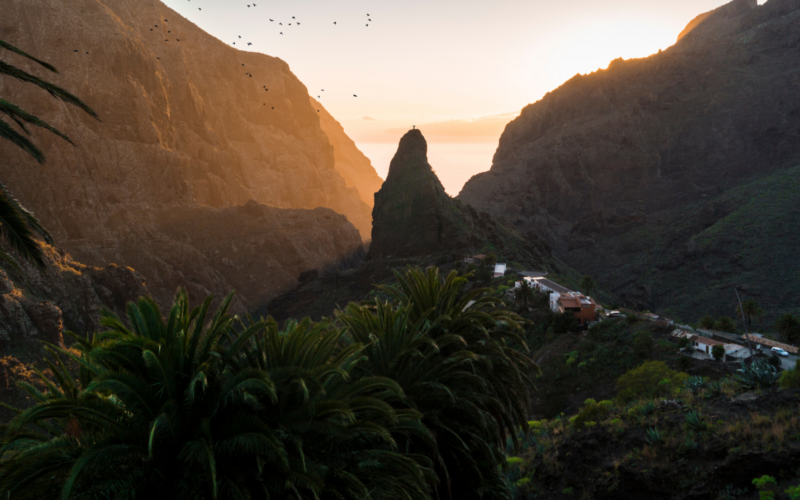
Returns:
<point x="355" y="168"/>
<point x="413" y="216"/>
<point x="40" y="306"/>
<point x="195" y="139"/>
<point x="647" y="173"/>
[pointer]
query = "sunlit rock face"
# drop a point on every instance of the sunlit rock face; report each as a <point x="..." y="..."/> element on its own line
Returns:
<point x="352" y="165"/>
<point x="184" y="129"/>
<point x="621" y="149"/>
<point x="40" y="306"/>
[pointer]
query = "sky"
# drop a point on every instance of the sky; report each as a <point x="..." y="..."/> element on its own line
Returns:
<point x="428" y="61"/>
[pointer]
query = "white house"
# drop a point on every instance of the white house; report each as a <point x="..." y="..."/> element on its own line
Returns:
<point x="499" y="270"/>
<point x="546" y="286"/>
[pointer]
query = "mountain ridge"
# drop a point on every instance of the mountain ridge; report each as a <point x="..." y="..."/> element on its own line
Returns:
<point x="187" y="127"/>
<point x="613" y="151"/>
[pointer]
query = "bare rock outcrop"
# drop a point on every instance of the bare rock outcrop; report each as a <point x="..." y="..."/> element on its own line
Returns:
<point x="189" y="126"/>
<point x="414" y="216"/>
<point x="40" y="305"/>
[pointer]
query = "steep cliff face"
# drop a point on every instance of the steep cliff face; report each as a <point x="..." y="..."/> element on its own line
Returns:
<point x="611" y="152"/>
<point x="414" y="216"/>
<point x="352" y="165"/>
<point x="188" y="124"/>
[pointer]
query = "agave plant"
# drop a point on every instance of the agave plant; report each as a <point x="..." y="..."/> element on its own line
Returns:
<point x="652" y="436"/>
<point x="759" y="374"/>
<point x="18" y="225"/>
<point x="695" y="421"/>
<point x="695" y="384"/>
<point x="459" y="359"/>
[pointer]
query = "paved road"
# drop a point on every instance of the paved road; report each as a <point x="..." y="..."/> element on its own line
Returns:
<point x="788" y="363"/>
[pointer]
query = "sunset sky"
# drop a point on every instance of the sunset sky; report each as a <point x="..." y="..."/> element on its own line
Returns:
<point x="423" y="61"/>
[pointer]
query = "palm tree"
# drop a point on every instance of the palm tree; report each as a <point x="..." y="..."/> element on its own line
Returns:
<point x="190" y="407"/>
<point x="523" y="293"/>
<point x="158" y="410"/>
<point x="788" y="325"/>
<point x="461" y="363"/>
<point x="588" y="284"/>
<point x="349" y="433"/>
<point x="750" y="310"/>
<point x="18" y="225"/>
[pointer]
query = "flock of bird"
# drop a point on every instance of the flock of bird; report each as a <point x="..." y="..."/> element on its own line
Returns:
<point x="369" y="19"/>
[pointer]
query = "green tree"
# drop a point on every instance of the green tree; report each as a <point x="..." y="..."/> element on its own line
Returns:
<point x="651" y="379"/>
<point x="461" y="361"/>
<point x="788" y="326"/>
<point x="18" y="226"/>
<point x="718" y="352"/>
<point x="750" y="310"/>
<point x="706" y="322"/>
<point x="725" y="324"/>
<point x="588" y="284"/>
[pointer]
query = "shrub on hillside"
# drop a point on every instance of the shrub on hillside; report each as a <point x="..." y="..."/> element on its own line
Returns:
<point x="718" y="352"/>
<point x="725" y="324"/>
<point x="564" y="322"/>
<point x="706" y="322"/>
<point x="650" y="380"/>
<point x="790" y="379"/>
<point x="591" y="412"/>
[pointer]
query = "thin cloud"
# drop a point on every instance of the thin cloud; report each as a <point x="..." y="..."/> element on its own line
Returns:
<point x="369" y="119"/>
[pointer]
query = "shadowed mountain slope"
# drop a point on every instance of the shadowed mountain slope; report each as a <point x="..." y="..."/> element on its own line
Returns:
<point x="187" y="126"/>
<point x="655" y="141"/>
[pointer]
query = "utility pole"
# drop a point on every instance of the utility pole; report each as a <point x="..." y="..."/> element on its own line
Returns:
<point x="746" y="333"/>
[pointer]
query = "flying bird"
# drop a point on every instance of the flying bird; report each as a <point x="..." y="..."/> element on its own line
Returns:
<point x="292" y="17"/>
<point x="334" y="22"/>
<point x="248" y="43"/>
<point x="298" y="24"/>
<point x="281" y="32"/>
<point x="355" y="95"/>
<point x="76" y="51"/>
<point x="199" y="8"/>
<point x="272" y="20"/>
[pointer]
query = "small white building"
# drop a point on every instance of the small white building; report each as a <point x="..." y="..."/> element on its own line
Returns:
<point x="546" y="286"/>
<point x="499" y="270"/>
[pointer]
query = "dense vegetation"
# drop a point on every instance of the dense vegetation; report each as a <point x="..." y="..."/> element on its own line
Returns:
<point x="619" y="412"/>
<point x="412" y="397"/>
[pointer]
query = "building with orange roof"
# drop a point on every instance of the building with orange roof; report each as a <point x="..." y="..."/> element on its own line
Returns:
<point x="584" y="308"/>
